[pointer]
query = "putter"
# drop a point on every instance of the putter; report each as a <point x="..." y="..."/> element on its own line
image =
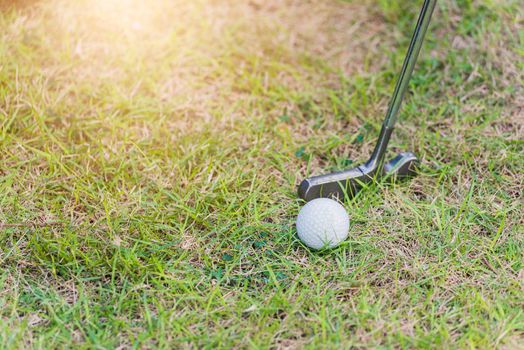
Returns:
<point x="349" y="182"/>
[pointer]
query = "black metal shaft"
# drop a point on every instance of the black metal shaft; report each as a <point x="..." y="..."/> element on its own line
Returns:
<point x="403" y="79"/>
<point x="409" y="62"/>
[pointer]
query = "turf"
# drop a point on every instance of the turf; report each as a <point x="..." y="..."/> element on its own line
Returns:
<point x="149" y="158"/>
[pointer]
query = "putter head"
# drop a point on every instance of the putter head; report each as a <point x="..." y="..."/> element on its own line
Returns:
<point x="349" y="182"/>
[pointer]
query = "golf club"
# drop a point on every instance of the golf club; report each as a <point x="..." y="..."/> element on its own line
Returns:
<point x="349" y="182"/>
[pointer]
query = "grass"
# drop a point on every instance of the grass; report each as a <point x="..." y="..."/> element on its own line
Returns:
<point x="149" y="157"/>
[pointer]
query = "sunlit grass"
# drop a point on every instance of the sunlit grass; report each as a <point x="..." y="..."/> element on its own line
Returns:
<point x="150" y="153"/>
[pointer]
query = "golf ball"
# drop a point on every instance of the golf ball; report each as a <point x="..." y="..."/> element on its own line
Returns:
<point x="322" y="223"/>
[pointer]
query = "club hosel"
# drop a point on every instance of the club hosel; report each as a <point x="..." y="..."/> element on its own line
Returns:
<point x="377" y="157"/>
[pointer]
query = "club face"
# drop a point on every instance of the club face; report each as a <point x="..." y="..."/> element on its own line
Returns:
<point x="347" y="183"/>
<point x="333" y="185"/>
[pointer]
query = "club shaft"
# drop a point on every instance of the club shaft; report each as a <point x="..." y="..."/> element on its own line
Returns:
<point x="409" y="63"/>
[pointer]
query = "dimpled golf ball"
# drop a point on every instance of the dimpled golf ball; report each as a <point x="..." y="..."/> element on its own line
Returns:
<point x="322" y="223"/>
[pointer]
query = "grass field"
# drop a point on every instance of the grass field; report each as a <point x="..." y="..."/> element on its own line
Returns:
<point x="150" y="153"/>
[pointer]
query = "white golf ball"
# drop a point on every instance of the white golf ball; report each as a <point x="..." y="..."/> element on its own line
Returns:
<point x="322" y="223"/>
